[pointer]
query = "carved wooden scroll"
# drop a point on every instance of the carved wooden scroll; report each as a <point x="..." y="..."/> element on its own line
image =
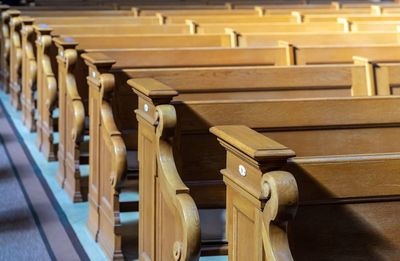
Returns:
<point x="29" y="71"/>
<point x="6" y="45"/>
<point x="15" y="61"/>
<point x="47" y="97"/>
<point x="178" y="222"/>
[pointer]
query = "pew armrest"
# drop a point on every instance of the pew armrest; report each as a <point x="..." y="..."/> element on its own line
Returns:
<point x="151" y="88"/>
<point x="253" y="171"/>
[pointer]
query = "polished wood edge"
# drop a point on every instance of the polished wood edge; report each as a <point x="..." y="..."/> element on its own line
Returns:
<point x="251" y="143"/>
<point x="151" y="88"/>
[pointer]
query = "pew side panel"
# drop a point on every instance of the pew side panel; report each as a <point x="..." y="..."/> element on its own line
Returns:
<point x="15" y="61"/>
<point x="6" y="47"/>
<point x="5" y="38"/>
<point x="47" y="97"/>
<point x="265" y="209"/>
<point x="29" y="73"/>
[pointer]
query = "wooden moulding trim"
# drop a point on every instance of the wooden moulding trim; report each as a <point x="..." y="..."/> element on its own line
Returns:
<point x="152" y="88"/>
<point x="4" y="7"/>
<point x="99" y="60"/>
<point x="251" y="143"/>
<point x="13" y="12"/>
<point x="65" y="42"/>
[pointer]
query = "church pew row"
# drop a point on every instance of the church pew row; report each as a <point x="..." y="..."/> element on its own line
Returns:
<point x="191" y="40"/>
<point x="12" y="20"/>
<point x="123" y="104"/>
<point x="182" y="149"/>
<point x="28" y="36"/>
<point x="29" y="109"/>
<point x="280" y="52"/>
<point x="154" y="93"/>
<point x="346" y="196"/>
<point x="46" y="80"/>
<point x="195" y="91"/>
<point x="70" y="148"/>
<point x="172" y="29"/>
<point x="294" y="17"/>
<point x="99" y="67"/>
<point x="245" y="28"/>
<point x="29" y="57"/>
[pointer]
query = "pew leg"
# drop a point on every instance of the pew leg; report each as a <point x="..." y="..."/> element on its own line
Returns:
<point x="15" y="96"/>
<point x="109" y="236"/>
<point x="60" y="175"/>
<point x="74" y="184"/>
<point x="30" y="118"/>
<point x="48" y="147"/>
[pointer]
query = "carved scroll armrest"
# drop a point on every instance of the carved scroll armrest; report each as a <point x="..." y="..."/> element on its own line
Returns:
<point x="188" y="246"/>
<point x="78" y="125"/>
<point x="116" y="145"/>
<point x="253" y="166"/>
<point x="48" y="74"/>
<point x="112" y="136"/>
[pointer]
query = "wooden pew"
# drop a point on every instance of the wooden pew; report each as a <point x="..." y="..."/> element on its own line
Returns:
<point x="351" y="18"/>
<point x="347" y="180"/>
<point x="45" y="73"/>
<point x="321" y="38"/>
<point x="17" y="22"/>
<point x="29" y="58"/>
<point x="99" y="67"/>
<point x="5" y="49"/>
<point x="104" y="213"/>
<point x="375" y="26"/>
<point x="270" y="82"/>
<point x="303" y="55"/>
<point x="270" y="27"/>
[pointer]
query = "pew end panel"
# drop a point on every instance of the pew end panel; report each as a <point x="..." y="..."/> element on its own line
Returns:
<point x="6" y="46"/>
<point x="71" y="135"/>
<point x="4" y="33"/>
<point x="260" y="195"/>
<point x="106" y="141"/>
<point x="148" y="99"/>
<point x="29" y="71"/>
<point x="16" y="59"/>
<point x="46" y="83"/>
<point x="96" y="96"/>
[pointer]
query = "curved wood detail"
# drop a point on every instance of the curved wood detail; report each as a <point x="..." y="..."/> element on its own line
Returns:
<point x="78" y="122"/>
<point x="49" y="77"/>
<point x="15" y="62"/>
<point x="112" y="173"/>
<point x="29" y="79"/>
<point x="112" y="136"/>
<point x="6" y="52"/>
<point x="279" y="188"/>
<point x="186" y="246"/>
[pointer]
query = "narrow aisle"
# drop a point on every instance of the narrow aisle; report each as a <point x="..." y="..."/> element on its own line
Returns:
<point x="30" y="224"/>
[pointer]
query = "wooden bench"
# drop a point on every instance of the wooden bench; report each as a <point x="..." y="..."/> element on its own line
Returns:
<point x="99" y="67"/>
<point x="266" y="82"/>
<point x="29" y="57"/>
<point x="16" y="26"/>
<point x="270" y="27"/>
<point x="46" y="79"/>
<point x="347" y="194"/>
<point x="182" y="129"/>
<point x="321" y="38"/>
